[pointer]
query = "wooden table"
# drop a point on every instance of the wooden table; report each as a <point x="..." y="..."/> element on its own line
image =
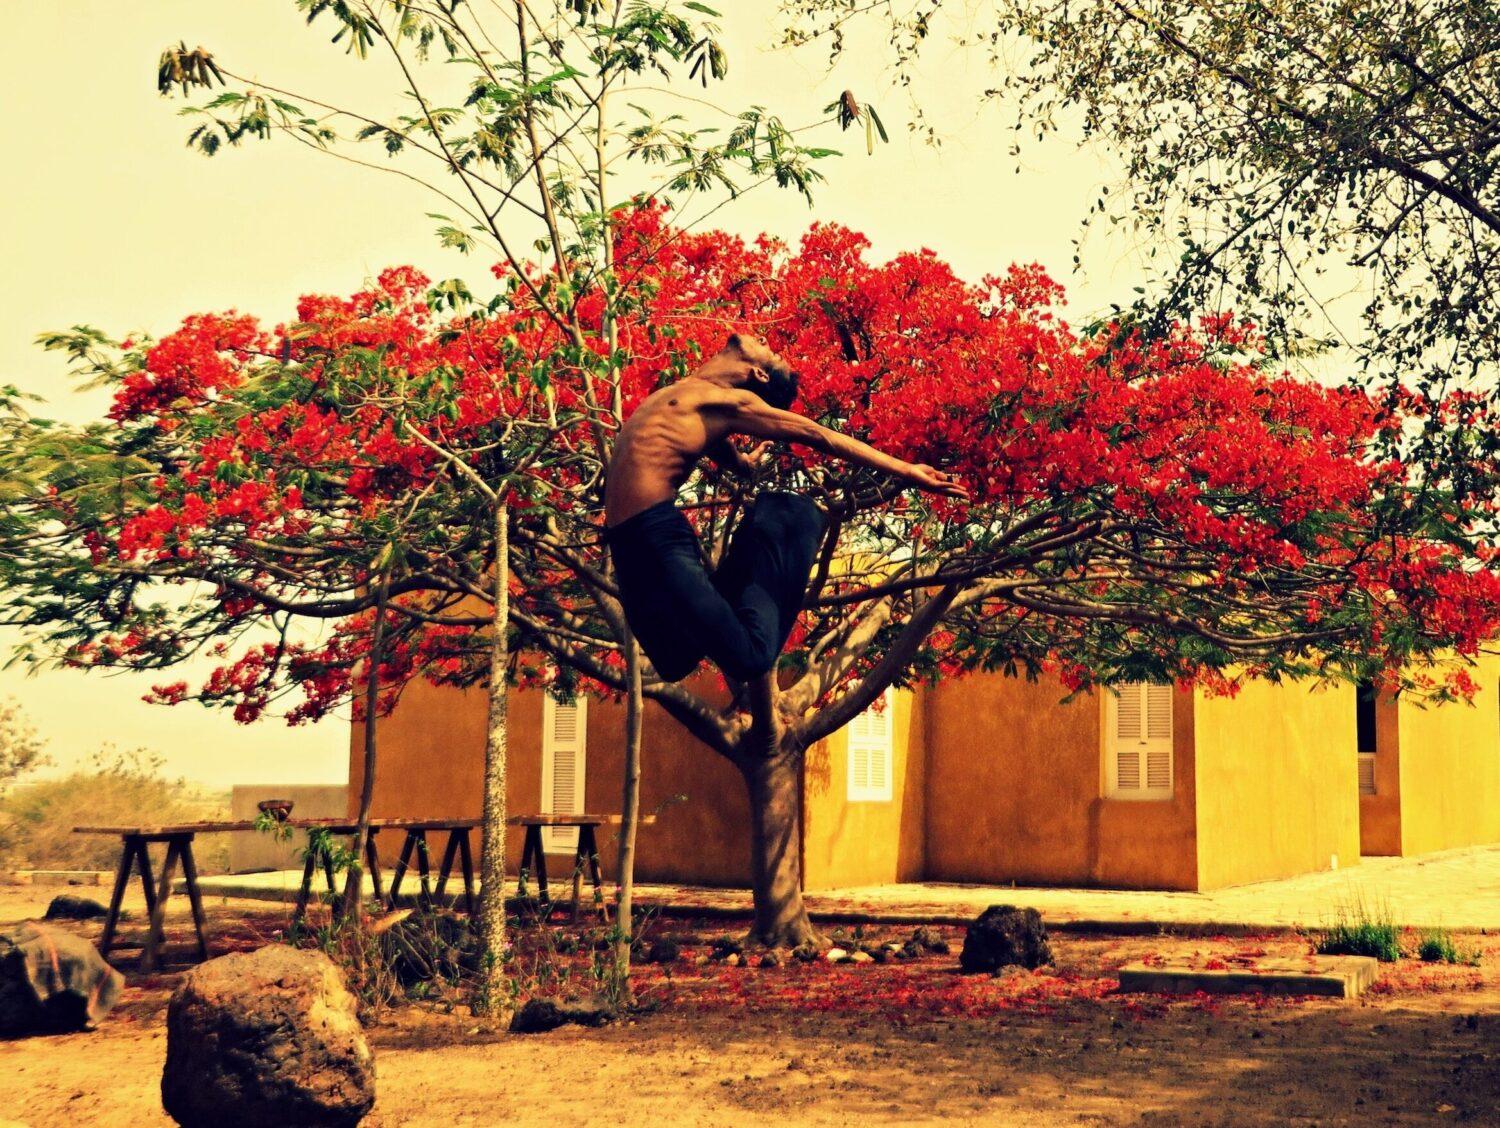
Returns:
<point x="178" y="837"/>
<point x="459" y="849"/>
<point x="133" y="855"/>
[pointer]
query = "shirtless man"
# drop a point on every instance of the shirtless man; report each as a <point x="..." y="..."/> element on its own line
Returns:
<point x="740" y="616"/>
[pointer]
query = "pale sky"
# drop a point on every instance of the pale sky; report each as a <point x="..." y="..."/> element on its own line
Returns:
<point x="110" y="220"/>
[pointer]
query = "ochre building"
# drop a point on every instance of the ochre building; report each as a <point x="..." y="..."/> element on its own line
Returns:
<point x="991" y="779"/>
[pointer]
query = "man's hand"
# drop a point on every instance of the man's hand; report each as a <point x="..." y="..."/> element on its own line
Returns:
<point x="924" y="477"/>
<point x="752" y="458"/>
<point x="730" y="457"/>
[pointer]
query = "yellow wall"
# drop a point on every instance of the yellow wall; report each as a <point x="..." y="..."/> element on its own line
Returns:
<point x="1015" y="792"/>
<point x="1278" y="787"/>
<point x="1450" y="770"/>
<point x="865" y="843"/>
<point x="431" y="764"/>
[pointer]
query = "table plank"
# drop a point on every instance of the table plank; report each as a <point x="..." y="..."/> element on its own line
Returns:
<point x="575" y="820"/>
<point x="348" y="826"/>
<point x="159" y="830"/>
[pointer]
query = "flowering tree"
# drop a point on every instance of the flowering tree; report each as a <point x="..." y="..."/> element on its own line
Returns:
<point x="523" y="151"/>
<point x="1331" y="166"/>
<point x="1166" y="509"/>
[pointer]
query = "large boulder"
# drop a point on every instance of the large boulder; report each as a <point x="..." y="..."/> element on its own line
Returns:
<point x="52" y="980"/>
<point x="266" y="1037"/>
<point x="1005" y="936"/>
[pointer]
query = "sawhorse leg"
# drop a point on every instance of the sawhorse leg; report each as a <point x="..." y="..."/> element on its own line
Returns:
<point x="466" y="860"/>
<point x="195" y="897"/>
<point x="304" y="890"/>
<point x="156" y="931"/>
<point x="315" y="856"/>
<point x="588" y="855"/>
<point x="458" y="844"/>
<point x="372" y="866"/>
<point x="416" y="842"/>
<point x="132" y="855"/>
<point x="532" y="854"/>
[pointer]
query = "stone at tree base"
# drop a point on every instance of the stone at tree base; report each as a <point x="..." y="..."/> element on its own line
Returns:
<point x="65" y="906"/>
<point x="725" y="946"/>
<point x="268" y="1037"/>
<point x="1004" y="934"/>
<point x="537" y="1016"/>
<point x="664" y="951"/>
<point x="52" y="981"/>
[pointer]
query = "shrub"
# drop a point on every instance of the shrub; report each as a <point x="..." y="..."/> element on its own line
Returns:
<point x="37" y="818"/>
<point x="1357" y="931"/>
<point x="1437" y="946"/>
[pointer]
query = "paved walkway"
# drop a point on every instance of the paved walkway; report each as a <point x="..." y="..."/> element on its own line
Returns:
<point x="1459" y="889"/>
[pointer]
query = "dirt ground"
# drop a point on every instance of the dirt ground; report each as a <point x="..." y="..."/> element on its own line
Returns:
<point x="901" y="1043"/>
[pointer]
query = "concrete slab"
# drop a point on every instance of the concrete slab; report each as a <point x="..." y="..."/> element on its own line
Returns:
<point x="55" y="877"/>
<point x="1341" y="977"/>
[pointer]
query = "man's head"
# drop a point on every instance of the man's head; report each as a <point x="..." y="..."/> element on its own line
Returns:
<point x="746" y="362"/>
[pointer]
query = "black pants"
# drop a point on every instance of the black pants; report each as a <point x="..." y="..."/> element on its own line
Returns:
<point x="740" y="616"/>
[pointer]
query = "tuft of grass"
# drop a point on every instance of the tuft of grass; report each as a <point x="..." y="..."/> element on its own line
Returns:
<point x="1359" y="931"/>
<point x="1437" y="946"/>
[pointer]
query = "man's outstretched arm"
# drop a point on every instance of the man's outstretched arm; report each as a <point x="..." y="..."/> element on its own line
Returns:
<point x="748" y="414"/>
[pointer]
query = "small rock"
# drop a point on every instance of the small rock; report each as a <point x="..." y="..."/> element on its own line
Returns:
<point x="805" y="953"/>
<point x="52" y="980"/>
<point x="861" y="957"/>
<point x="835" y="955"/>
<point x="1004" y="935"/>
<point x="909" y="951"/>
<point x="537" y="1016"/>
<point x="701" y="960"/>
<point x="66" y="906"/>
<point x="664" y="951"/>
<point x="734" y="959"/>
<point x="770" y="959"/>
<point x="266" y="1037"/>
<point x="726" y="946"/>
<point x="881" y="955"/>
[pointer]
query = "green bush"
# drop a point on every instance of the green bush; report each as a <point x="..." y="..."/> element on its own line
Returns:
<point x="1356" y="931"/>
<point x="37" y="818"/>
<point x="1437" y="946"/>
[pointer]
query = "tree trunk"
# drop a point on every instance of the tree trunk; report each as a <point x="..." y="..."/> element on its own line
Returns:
<point x="629" y="813"/>
<point x="354" y="881"/>
<point x="493" y="828"/>
<point x="774" y="783"/>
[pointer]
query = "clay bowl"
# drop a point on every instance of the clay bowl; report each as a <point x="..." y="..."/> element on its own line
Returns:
<point x="279" y="809"/>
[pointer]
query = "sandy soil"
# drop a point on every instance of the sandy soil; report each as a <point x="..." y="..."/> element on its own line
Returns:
<point x="904" y="1043"/>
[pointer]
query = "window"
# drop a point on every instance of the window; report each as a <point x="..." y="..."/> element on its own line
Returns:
<point x="564" y="751"/>
<point x="1364" y="735"/>
<point x="870" y="752"/>
<point x="1138" y="746"/>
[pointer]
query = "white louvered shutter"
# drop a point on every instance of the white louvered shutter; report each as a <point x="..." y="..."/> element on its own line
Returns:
<point x="564" y="752"/>
<point x="871" y="741"/>
<point x="1367" y="773"/>
<point x="1140" y="741"/>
